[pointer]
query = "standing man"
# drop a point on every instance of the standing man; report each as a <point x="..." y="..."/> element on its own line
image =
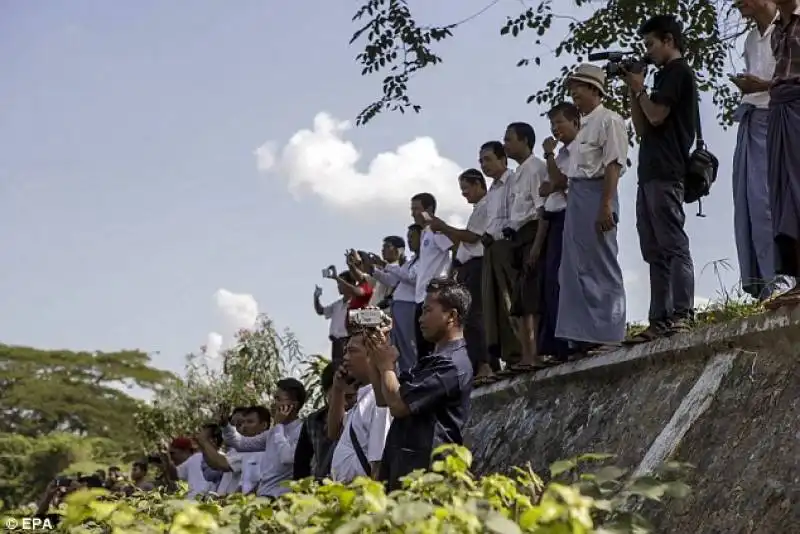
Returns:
<point x="404" y="301"/>
<point x="666" y="121"/>
<point x="783" y="140"/>
<point x="359" y="432"/>
<point x="498" y="274"/>
<point x="525" y="209"/>
<point x="392" y="253"/>
<point x="434" y="259"/>
<point x="751" y="213"/>
<point x="430" y="404"/>
<point x="336" y="313"/>
<point x="565" y="120"/>
<point x="591" y="309"/>
<point x="469" y="267"/>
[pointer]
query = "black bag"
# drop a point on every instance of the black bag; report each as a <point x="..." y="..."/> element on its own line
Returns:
<point x="703" y="167"/>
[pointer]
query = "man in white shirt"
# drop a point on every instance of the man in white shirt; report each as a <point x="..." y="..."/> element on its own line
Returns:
<point x="434" y="259"/>
<point x="565" y="120"/>
<point x="591" y="311"/>
<point x="240" y="470"/>
<point x="188" y="466"/>
<point x="499" y="275"/>
<point x="403" y="278"/>
<point x="277" y="444"/>
<point x="360" y="431"/>
<point x="469" y="266"/>
<point x="336" y="313"/>
<point x="523" y="229"/>
<point x="752" y="216"/>
<point x="392" y="253"/>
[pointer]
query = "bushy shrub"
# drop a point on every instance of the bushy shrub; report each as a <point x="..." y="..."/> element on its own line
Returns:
<point x="447" y="499"/>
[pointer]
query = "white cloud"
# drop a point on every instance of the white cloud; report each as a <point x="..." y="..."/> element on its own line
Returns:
<point x="213" y="345"/>
<point x="239" y="310"/>
<point x="322" y="163"/>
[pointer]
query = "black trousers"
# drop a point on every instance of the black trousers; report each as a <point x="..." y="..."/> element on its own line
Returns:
<point x="665" y="248"/>
<point x="424" y="347"/>
<point x="471" y="275"/>
<point x="338" y="345"/>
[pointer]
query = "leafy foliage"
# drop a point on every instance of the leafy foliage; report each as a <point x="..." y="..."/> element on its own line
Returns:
<point x="44" y="391"/>
<point x="28" y="464"/>
<point x="247" y="376"/>
<point x="446" y="499"/>
<point x="396" y="44"/>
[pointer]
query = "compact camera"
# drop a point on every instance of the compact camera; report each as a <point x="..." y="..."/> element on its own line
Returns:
<point x="329" y="272"/>
<point x="367" y="318"/>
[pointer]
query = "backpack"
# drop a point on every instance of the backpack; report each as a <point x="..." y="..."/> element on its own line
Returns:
<point x="702" y="169"/>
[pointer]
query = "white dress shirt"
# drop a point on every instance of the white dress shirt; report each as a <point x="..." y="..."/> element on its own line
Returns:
<point x="402" y="277"/>
<point x="251" y="471"/>
<point x="497" y="205"/>
<point x="277" y="461"/>
<point x="434" y="260"/>
<point x="371" y="425"/>
<point x="760" y="62"/>
<point x="380" y="289"/>
<point x="191" y="472"/>
<point x="557" y="200"/>
<point x="602" y="140"/>
<point x="477" y="224"/>
<point x="336" y="313"/>
<point x="524" y="192"/>
<point x="244" y="467"/>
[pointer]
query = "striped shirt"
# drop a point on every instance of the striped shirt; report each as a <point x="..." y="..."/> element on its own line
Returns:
<point x="786" y="48"/>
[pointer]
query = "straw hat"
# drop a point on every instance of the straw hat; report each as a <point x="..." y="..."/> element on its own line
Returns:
<point x="591" y="75"/>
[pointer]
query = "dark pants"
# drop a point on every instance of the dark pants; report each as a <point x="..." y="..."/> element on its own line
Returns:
<point x="549" y="264"/>
<point x="665" y="248"/>
<point x="424" y="347"/>
<point x="471" y="275"/>
<point x="338" y="345"/>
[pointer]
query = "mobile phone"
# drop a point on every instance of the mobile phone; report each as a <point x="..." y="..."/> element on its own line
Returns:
<point x="427" y="216"/>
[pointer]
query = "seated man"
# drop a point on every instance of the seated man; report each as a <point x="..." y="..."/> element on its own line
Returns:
<point x="277" y="444"/>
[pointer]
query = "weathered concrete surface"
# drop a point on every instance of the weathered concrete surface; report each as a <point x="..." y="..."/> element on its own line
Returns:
<point x="725" y="399"/>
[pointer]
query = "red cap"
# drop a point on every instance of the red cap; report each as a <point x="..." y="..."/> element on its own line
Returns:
<point x="181" y="443"/>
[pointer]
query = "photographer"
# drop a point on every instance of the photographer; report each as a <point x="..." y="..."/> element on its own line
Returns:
<point x="430" y="403"/>
<point x="666" y="122"/>
<point x="359" y="432"/>
<point x="336" y="313"/>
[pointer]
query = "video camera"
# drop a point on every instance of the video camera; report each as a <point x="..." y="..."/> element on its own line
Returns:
<point x="367" y="318"/>
<point x="619" y="62"/>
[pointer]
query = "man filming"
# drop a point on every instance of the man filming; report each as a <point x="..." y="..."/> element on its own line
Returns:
<point x="666" y="121"/>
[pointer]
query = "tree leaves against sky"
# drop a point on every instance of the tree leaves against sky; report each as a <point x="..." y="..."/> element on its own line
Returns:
<point x="398" y="46"/>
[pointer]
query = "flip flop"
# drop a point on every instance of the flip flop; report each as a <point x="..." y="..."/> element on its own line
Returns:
<point x="790" y="298"/>
<point x="645" y="336"/>
<point x="479" y="381"/>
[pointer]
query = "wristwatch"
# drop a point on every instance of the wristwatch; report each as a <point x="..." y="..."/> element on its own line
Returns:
<point x="548" y="155"/>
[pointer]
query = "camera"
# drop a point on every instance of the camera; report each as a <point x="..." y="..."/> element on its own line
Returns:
<point x="329" y="272"/>
<point x="618" y="62"/>
<point x="154" y="459"/>
<point x="367" y="318"/>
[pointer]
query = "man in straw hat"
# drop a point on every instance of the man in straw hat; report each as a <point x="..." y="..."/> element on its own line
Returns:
<point x="592" y="299"/>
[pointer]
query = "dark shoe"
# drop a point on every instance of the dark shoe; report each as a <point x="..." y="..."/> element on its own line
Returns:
<point x="651" y="333"/>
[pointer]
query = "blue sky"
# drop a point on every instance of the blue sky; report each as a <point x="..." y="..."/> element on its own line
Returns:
<point x="136" y="213"/>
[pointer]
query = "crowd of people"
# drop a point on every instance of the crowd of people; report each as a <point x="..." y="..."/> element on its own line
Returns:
<point x="532" y="280"/>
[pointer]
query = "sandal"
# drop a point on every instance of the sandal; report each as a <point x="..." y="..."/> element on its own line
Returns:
<point x="651" y="333"/>
<point x="484" y="380"/>
<point x="790" y="298"/>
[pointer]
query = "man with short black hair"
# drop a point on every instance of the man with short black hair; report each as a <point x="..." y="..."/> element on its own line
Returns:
<point x="434" y="258"/>
<point x="565" y="120"/>
<point x="666" y="121"/>
<point x="468" y="264"/>
<point x="499" y="275"/>
<point x="392" y="253"/>
<point x="278" y="444"/>
<point x="314" y="450"/>
<point x="429" y="404"/>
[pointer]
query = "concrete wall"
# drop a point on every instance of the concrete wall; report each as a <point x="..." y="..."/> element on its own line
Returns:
<point x="725" y="399"/>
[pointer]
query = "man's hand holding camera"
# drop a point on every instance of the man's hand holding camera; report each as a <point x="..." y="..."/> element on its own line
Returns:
<point x="634" y="80"/>
<point x="383" y="356"/>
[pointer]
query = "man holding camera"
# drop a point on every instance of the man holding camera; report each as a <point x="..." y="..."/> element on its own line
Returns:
<point x="430" y="403"/>
<point x="666" y="122"/>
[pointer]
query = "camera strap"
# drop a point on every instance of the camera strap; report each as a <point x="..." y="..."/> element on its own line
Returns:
<point x="362" y="458"/>
<point x="698" y="128"/>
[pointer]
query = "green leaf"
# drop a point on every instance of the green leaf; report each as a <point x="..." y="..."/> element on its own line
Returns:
<point x="562" y="466"/>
